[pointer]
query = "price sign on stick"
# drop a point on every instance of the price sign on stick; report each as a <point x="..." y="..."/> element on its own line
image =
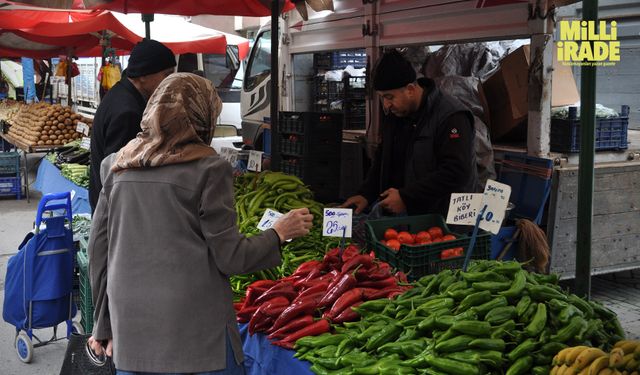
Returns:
<point x="463" y="208"/>
<point x="268" y="219"/>
<point x="255" y="161"/>
<point x="83" y="128"/>
<point x="85" y="143"/>
<point x="495" y="198"/>
<point x="233" y="156"/>
<point x="337" y="222"/>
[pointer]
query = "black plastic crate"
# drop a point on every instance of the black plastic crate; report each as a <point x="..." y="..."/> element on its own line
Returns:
<point x="310" y="124"/>
<point x="417" y="261"/>
<point x="9" y="164"/>
<point x="321" y="146"/>
<point x="611" y="133"/>
<point x="322" y="60"/>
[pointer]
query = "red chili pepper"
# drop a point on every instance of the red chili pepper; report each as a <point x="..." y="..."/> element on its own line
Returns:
<point x="362" y="260"/>
<point x="379" y="284"/>
<point x="301" y="307"/>
<point x="382" y="293"/>
<point x="346" y="282"/>
<point x="395" y="293"/>
<point x="293" y="325"/>
<point x="401" y="276"/>
<point x="319" y="327"/>
<point x="306" y="267"/>
<point x="237" y="306"/>
<point x="382" y="271"/>
<point x="313" y="274"/>
<point x="283" y="344"/>
<point x="347" y="299"/>
<point x="320" y="286"/>
<point x="266" y="310"/>
<point x="264" y="324"/>
<point x="246" y="313"/>
<point x="348" y="315"/>
<point x="350" y="252"/>
<point x="281" y="289"/>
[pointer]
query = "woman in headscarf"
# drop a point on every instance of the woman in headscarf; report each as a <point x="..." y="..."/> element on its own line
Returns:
<point x="164" y="242"/>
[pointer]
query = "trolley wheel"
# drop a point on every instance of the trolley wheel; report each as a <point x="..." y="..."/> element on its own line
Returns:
<point x="77" y="328"/>
<point x="24" y="347"/>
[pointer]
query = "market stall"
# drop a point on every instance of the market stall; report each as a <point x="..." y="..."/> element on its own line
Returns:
<point x="50" y="180"/>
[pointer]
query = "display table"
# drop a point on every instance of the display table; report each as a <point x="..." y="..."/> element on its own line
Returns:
<point x="262" y="358"/>
<point x="50" y="180"/>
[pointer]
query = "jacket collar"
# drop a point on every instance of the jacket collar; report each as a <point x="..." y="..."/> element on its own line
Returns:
<point x="133" y="90"/>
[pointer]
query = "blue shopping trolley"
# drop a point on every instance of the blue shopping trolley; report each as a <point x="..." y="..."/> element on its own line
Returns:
<point x="39" y="282"/>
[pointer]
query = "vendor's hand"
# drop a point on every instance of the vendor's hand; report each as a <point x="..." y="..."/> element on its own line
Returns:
<point x="97" y="347"/>
<point x="391" y="201"/>
<point x="295" y="223"/>
<point x="357" y="200"/>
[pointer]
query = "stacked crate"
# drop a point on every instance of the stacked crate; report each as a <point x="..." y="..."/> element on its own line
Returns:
<point x="310" y="149"/>
<point x="10" y="182"/>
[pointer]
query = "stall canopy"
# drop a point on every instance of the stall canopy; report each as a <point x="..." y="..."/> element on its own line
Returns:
<point x="49" y="33"/>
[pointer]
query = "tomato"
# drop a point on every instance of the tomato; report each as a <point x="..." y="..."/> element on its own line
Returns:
<point x="426" y="242"/>
<point x="405" y="238"/>
<point x="436" y="239"/>
<point x="448" y="237"/>
<point x="458" y="251"/>
<point x="435" y="232"/>
<point x="445" y="254"/>
<point x="393" y="244"/>
<point x="390" y="234"/>
<point x="423" y="237"/>
<point x="383" y="242"/>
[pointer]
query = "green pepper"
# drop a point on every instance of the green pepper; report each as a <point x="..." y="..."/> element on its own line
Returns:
<point x="540" y="359"/>
<point x="490" y="357"/>
<point x="500" y="314"/>
<point x="319" y="370"/>
<point x="412" y="302"/>
<point x="454" y="344"/>
<point x="412" y="322"/>
<point x="569" y="331"/>
<point x="376" y="305"/>
<point x="552" y="348"/>
<point x="356" y="357"/>
<point x="374" y="369"/>
<point x="523" y="305"/>
<point x="557" y="305"/>
<point x="474" y="277"/>
<point x="488" y="344"/>
<point x="384" y="335"/>
<point x="603" y="312"/>
<point x="474" y="299"/>
<point x="403" y="313"/>
<point x="443" y="322"/>
<point x="460" y="294"/>
<point x="408" y="334"/>
<point x="462" y="284"/>
<point x="472" y="327"/>
<point x="326" y="351"/>
<point x="452" y="366"/>
<point x="441" y="336"/>
<point x="541" y="370"/>
<point x="467" y="315"/>
<point x="328" y="363"/>
<point x="446" y="280"/>
<point x="323" y="340"/>
<point x="583" y="305"/>
<point x="483" y="309"/>
<point x="505" y="328"/>
<point x="345" y="346"/>
<point x="419" y="360"/>
<point x="529" y="314"/>
<point x="539" y="321"/>
<point x="520" y="366"/>
<point x="507" y="268"/>
<point x="427" y="323"/>
<point x="413" y="292"/>
<point x="432" y="371"/>
<point x="525" y="347"/>
<point x="428" y="307"/>
<point x="545" y="336"/>
<point x="425" y="280"/>
<point x="516" y="288"/>
<point x="543" y="293"/>
<point x="547" y="279"/>
<point x="568" y="312"/>
<point x="412" y="348"/>
<point x="492" y="286"/>
<point x="367" y="333"/>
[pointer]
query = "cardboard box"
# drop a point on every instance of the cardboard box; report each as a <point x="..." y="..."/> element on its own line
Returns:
<point x="507" y="92"/>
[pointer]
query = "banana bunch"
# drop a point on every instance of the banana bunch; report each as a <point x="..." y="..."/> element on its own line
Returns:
<point x="623" y="359"/>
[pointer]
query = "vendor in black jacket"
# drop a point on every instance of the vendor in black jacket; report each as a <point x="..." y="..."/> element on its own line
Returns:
<point x="117" y="120"/>
<point x="427" y="149"/>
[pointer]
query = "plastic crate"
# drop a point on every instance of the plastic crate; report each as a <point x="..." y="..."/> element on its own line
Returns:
<point x="86" y="301"/>
<point x="417" y="261"/>
<point x="9" y="164"/>
<point x="611" y="133"/>
<point x="11" y="186"/>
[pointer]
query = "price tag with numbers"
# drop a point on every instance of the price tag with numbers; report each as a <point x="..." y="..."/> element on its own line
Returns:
<point x="337" y="222"/>
<point x="85" y="143"/>
<point x="268" y="219"/>
<point x="496" y="198"/>
<point x="255" y="161"/>
<point x="83" y="128"/>
<point x="233" y="156"/>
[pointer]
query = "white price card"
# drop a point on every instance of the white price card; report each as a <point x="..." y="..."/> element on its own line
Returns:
<point x="464" y="208"/>
<point x="85" y="143"/>
<point x="268" y="219"/>
<point x="224" y="153"/>
<point x="337" y="222"/>
<point x="233" y="156"/>
<point x="83" y="128"/>
<point x="495" y="198"/>
<point x="255" y="161"/>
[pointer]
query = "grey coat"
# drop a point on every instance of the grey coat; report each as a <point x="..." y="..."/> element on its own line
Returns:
<point x="163" y="244"/>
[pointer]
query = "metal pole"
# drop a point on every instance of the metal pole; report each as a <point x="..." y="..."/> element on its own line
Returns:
<point x="147" y="19"/>
<point x="585" y="168"/>
<point x="275" y="141"/>
<point x="70" y="79"/>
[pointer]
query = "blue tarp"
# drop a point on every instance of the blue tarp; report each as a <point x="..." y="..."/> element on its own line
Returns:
<point x="49" y="180"/>
<point x="27" y="77"/>
<point x="262" y="358"/>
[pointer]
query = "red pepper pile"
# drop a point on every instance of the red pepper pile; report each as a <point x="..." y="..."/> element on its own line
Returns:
<point x="286" y="309"/>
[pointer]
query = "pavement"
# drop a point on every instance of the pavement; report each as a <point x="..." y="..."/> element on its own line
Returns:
<point x="618" y="291"/>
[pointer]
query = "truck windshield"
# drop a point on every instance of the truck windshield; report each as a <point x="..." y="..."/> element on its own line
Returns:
<point x="260" y="62"/>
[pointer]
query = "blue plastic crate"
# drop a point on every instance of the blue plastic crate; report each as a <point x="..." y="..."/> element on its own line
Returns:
<point x="9" y="164"/>
<point x="11" y="186"/>
<point x="611" y="133"/>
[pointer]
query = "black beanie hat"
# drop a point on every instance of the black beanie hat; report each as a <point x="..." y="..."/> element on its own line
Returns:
<point x="392" y="72"/>
<point x="148" y="57"/>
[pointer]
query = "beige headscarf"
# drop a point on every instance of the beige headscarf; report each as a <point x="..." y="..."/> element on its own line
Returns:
<point x="177" y="124"/>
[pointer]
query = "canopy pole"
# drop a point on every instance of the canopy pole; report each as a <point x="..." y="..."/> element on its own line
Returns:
<point x="586" y="165"/>
<point x="69" y="80"/>
<point x="275" y="140"/>
<point x="147" y="19"/>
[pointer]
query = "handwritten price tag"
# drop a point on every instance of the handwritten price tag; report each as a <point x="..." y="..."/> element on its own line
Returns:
<point x="83" y="128"/>
<point x="463" y="208"/>
<point x="255" y="161"/>
<point x="337" y="222"/>
<point x="233" y="156"/>
<point x="496" y="198"/>
<point x="85" y="143"/>
<point x="268" y="219"/>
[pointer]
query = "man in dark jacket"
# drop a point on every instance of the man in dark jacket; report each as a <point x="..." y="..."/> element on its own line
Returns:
<point x="117" y="120"/>
<point x="427" y="149"/>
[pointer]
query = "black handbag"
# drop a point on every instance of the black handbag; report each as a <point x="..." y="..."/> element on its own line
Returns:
<point x="81" y="360"/>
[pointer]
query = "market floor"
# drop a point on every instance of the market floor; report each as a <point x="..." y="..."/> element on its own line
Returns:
<point x="619" y="291"/>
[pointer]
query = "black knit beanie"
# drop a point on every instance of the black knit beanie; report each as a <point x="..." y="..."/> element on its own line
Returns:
<point x="392" y="72"/>
<point x="148" y="57"/>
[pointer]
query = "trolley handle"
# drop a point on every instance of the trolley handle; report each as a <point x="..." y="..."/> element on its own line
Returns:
<point x="43" y="206"/>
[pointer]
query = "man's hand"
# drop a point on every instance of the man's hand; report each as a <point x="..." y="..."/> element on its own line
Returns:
<point x="391" y="201"/>
<point x="295" y="223"/>
<point x="357" y="200"/>
<point x="97" y="347"/>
